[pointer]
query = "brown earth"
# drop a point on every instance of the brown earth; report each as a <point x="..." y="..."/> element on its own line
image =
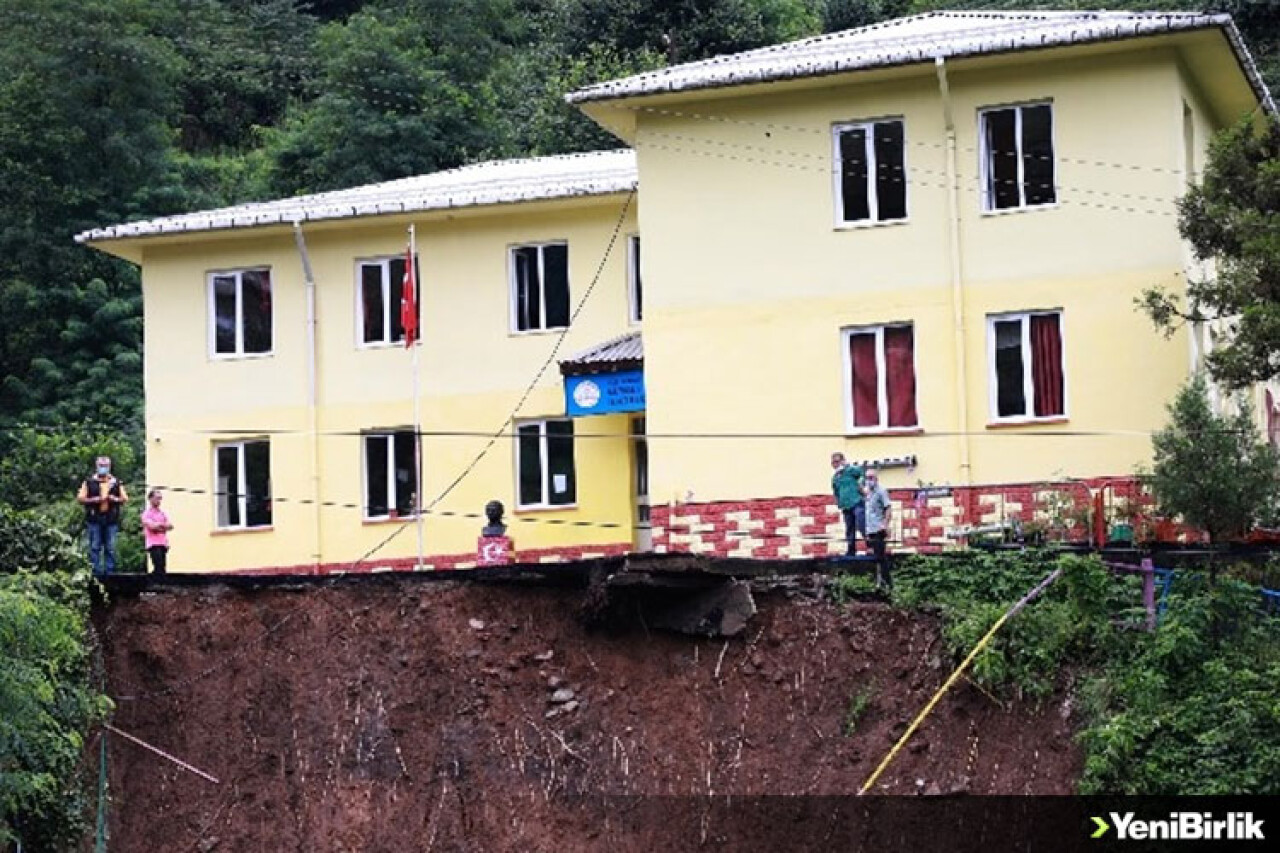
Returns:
<point x="394" y="715"/>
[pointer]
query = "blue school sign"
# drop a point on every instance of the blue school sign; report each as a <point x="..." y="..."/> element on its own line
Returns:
<point x="604" y="393"/>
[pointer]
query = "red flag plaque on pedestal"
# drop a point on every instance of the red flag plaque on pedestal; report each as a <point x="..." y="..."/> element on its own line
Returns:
<point x="494" y="551"/>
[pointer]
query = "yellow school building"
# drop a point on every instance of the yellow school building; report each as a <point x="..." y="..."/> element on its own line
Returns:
<point x="917" y="243"/>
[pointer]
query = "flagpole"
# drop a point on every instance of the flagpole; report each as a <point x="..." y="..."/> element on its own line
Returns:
<point x="417" y="404"/>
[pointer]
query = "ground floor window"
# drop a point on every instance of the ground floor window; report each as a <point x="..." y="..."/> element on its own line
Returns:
<point x="1027" y="379"/>
<point x="880" y="364"/>
<point x="390" y="475"/>
<point x="544" y="464"/>
<point x="242" y="477"/>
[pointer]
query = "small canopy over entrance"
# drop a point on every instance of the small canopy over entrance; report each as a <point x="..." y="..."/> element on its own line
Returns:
<point x="605" y="379"/>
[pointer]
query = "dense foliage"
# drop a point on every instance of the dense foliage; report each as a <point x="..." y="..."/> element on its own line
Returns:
<point x="47" y="700"/>
<point x="1211" y="469"/>
<point x="1231" y="218"/>
<point x="1193" y="708"/>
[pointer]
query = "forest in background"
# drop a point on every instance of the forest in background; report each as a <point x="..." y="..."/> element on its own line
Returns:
<point x="116" y="110"/>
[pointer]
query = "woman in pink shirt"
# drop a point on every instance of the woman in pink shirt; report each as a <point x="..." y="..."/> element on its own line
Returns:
<point x="155" y="531"/>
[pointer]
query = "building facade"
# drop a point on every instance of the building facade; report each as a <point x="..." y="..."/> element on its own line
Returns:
<point x="919" y="242"/>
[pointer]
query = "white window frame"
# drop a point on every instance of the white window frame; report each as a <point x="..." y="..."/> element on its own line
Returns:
<point x="873" y="199"/>
<point x="882" y="380"/>
<point x="544" y="464"/>
<point x="242" y="486"/>
<point x="984" y="157"/>
<point x="387" y="434"/>
<point x="391" y="293"/>
<point x="213" y="313"/>
<point x="635" y="282"/>
<point x="513" y="284"/>
<point x="1028" y="382"/>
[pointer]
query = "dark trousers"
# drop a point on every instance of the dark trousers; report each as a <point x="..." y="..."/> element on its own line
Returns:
<point x="855" y="522"/>
<point x="102" y="546"/>
<point x="159" y="556"/>
<point x="878" y="547"/>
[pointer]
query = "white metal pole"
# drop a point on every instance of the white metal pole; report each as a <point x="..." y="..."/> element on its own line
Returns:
<point x="417" y="403"/>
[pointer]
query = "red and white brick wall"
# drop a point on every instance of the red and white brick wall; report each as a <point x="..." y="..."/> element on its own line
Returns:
<point x="811" y="526"/>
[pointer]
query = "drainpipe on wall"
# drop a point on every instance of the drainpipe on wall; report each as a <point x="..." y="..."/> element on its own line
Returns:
<point x="313" y="413"/>
<point x="957" y="290"/>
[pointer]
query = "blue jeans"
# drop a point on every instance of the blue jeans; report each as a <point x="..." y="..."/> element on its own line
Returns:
<point x="102" y="540"/>
<point x="855" y="522"/>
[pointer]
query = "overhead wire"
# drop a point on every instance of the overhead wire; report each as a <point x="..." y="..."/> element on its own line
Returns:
<point x="529" y="388"/>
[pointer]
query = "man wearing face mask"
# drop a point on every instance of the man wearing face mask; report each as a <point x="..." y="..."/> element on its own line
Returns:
<point x="102" y="495"/>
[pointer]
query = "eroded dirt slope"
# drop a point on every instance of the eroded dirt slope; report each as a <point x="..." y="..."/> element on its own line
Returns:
<point x="389" y="715"/>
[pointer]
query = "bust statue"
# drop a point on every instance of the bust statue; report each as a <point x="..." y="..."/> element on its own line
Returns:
<point x="493" y="511"/>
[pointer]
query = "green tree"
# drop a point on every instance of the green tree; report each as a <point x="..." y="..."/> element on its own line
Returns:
<point x="686" y="30"/>
<point x="86" y="98"/>
<point x="403" y="90"/>
<point x="1233" y="218"/>
<point x="47" y="701"/>
<point x="1211" y="469"/>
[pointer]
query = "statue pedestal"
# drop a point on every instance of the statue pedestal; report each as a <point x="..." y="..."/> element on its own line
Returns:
<point x="494" y="551"/>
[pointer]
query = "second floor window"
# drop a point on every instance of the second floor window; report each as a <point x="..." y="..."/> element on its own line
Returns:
<point x="390" y="475"/>
<point x="871" y="184"/>
<point x="540" y="287"/>
<point x="242" y="484"/>
<point x="381" y="286"/>
<point x="1026" y="366"/>
<point x="240" y="307"/>
<point x="881" y="369"/>
<point x="544" y="464"/>
<point x="1017" y="157"/>
<point x="635" y="293"/>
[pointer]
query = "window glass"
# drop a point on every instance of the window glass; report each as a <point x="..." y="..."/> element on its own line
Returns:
<point x="900" y="375"/>
<point x="1010" y="397"/>
<point x="224" y="313"/>
<point x="562" y="487"/>
<point x="866" y="379"/>
<point x="395" y="293"/>
<point x="375" y="468"/>
<point x="406" y="474"/>
<point x="528" y="289"/>
<point x="891" y="184"/>
<point x="555" y="265"/>
<point x="637" y="290"/>
<point x="853" y="175"/>
<point x="255" y="301"/>
<point x="1037" y="154"/>
<point x="1003" y="190"/>
<point x="372" y="305"/>
<point x="227" y="499"/>
<point x="257" y="469"/>
<point x="529" y="453"/>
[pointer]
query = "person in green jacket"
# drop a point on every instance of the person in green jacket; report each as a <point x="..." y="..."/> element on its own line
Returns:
<point x="846" y="485"/>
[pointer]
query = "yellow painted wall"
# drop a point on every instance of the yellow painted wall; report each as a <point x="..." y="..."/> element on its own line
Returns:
<point x="748" y="282"/>
<point x="473" y="373"/>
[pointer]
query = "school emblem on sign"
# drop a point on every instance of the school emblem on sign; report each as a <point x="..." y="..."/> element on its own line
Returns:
<point x="587" y="394"/>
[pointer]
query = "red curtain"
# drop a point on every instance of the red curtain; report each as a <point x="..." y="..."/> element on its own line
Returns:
<point x="1046" y="364"/>
<point x="866" y="380"/>
<point x="900" y="375"/>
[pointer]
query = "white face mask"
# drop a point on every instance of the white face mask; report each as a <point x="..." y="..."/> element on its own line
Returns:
<point x="103" y="470"/>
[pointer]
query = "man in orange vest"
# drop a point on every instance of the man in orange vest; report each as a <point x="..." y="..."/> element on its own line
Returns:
<point x="102" y="495"/>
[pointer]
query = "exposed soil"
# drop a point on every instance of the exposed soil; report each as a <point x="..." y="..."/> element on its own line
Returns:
<point x="389" y="715"/>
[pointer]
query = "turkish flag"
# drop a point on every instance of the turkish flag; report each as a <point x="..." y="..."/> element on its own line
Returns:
<point x="409" y="302"/>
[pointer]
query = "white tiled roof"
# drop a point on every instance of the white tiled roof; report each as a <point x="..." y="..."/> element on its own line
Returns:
<point x="595" y="173"/>
<point x="920" y="38"/>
